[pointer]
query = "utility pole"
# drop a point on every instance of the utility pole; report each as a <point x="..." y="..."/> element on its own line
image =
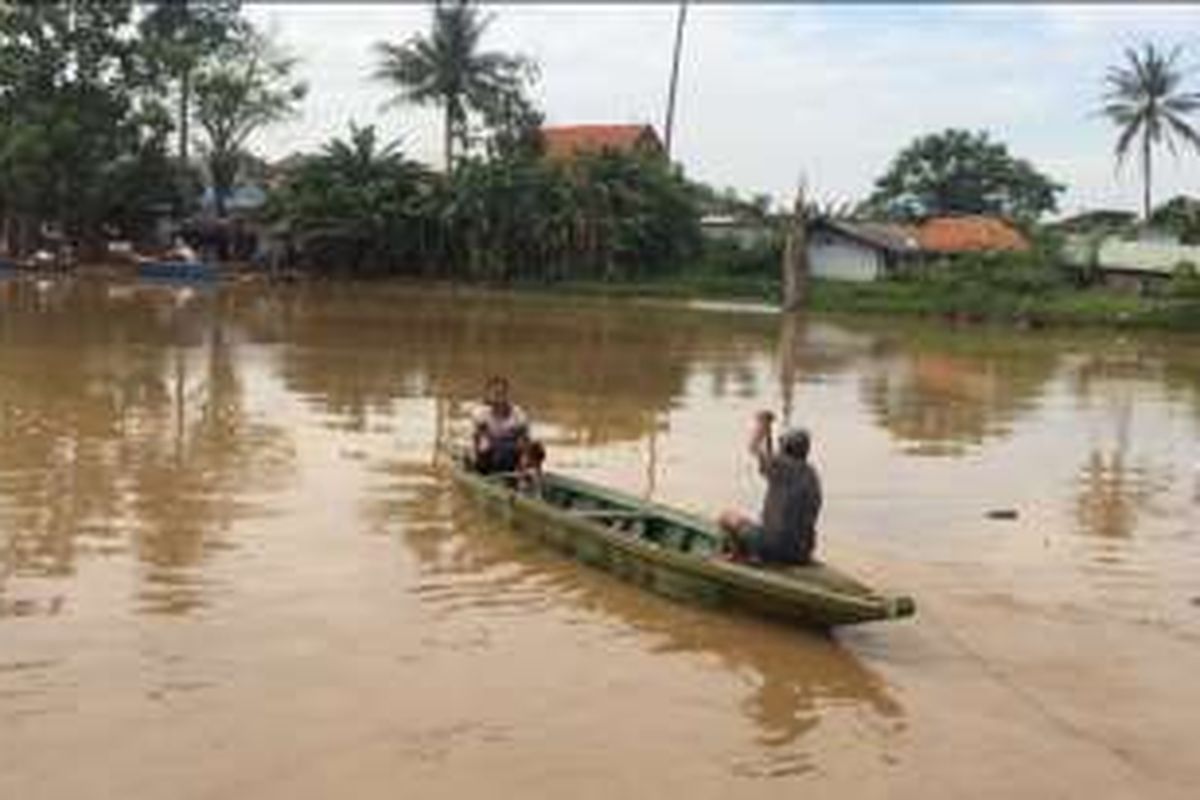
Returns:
<point x="670" y="126"/>
<point x="795" y="253"/>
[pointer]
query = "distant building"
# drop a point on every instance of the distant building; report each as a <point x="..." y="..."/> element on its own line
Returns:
<point x="1097" y="220"/>
<point x="745" y="232"/>
<point x="844" y="250"/>
<point x="951" y="236"/>
<point x="859" y="251"/>
<point x="1140" y="265"/>
<point x="564" y="142"/>
<point x="241" y="199"/>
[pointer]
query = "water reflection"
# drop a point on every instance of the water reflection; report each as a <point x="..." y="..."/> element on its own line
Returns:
<point x="469" y="565"/>
<point x="1116" y="483"/>
<point x="595" y="373"/>
<point x="144" y="430"/>
<point x="123" y="423"/>
<point x="939" y="397"/>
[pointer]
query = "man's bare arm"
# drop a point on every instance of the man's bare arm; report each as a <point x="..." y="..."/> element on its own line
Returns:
<point x="760" y="440"/>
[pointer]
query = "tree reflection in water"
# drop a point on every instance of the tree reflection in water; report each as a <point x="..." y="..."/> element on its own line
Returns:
<point x="595" y="373"/>
<point x="1114" y="484"/>
<point x="122" y="423"/>
<point x="942" y="394"/>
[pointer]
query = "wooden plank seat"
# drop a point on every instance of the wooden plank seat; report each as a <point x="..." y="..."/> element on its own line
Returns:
<point x="607" y="513"/>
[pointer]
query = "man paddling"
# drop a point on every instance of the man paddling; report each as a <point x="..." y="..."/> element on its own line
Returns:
<point x="787" y="533"/>
<point x="501" y="430"/>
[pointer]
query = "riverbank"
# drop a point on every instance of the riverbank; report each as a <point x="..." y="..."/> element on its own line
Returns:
<point x="1061" y="307"/>
<point x="962" y="303"/>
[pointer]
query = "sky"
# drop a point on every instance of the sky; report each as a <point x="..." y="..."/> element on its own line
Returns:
<point x="775" y="92"/>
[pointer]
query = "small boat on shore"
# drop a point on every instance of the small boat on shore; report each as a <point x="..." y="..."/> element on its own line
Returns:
<point x="191" y="271"/>
<point x="674" y="553"/>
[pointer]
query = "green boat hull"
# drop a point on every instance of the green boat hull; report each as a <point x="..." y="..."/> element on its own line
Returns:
<point x="673" y="553"/>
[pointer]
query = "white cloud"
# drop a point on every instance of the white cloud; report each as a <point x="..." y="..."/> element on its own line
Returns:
<point x="769" y="91"/>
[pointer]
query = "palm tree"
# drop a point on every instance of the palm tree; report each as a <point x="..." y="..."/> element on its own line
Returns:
<point x="180" y="35"/>
<point x="446" y="68"/>
<point x="1145" y="99"/>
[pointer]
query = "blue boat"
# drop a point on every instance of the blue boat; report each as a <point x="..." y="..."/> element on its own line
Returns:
<point x="191" y="271"/>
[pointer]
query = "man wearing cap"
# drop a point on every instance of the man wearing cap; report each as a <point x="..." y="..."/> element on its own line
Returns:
<point x="787" y="533"/>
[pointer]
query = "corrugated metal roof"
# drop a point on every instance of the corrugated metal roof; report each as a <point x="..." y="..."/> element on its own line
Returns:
<point x="884" y="235"/>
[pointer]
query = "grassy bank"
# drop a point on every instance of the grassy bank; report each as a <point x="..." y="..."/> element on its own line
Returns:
<point x="1093" y="307"/>
<point x="1060" y="306"/>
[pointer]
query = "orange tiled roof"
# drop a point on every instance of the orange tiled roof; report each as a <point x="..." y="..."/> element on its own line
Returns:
<point x="565" y="141"/>
<point x="969" y="234"/>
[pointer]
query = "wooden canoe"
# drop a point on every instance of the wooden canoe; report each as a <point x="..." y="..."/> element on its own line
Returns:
<point x="674" y="553"/>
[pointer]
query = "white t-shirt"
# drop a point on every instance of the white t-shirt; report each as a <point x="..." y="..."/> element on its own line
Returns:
<point x="497" y="427"/>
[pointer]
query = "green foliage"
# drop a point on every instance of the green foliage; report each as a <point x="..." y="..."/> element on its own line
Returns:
<point x="959" y="172"/>
<point x="245" y="87"/>
<point x="759" y="259"/>
<point x="447" y="68"/>
<point x="1146" y="99"/>
<point x="1181" y="216"/>
<point x="603" y="217"/>
<point x="1018" y="274"/>
<point x="1185" y="281"/>
<point x="358" y="204"/>
<point x="70" y="114"/>
<point x="177" y="38"/>
<point x="84" y="118"/>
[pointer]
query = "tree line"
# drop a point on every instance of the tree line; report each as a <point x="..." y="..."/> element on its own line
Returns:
<point x="498" y="210"/>
<point x="90" y="94"/>
<point x="114" y="116"/>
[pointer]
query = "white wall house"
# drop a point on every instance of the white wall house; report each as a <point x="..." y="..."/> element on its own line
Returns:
<point x="837" y="258"/>
<point x="856" y="252"/>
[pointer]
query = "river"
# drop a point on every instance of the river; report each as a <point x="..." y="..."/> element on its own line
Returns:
<point x="230" y="567"/>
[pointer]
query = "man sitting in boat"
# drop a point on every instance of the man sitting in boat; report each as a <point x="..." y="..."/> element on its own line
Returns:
<point x="180" y="252"/>
<point x="787" y="533"/>
<point x="501" y="430"/>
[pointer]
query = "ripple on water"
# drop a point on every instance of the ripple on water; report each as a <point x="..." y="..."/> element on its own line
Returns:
<point x="174" y="591"/>
<point x="25" y="687"/>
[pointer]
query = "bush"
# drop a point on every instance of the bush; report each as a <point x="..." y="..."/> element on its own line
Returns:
<point x="760" y="259"/>
<point x="975" y="275"/>
<point x="1185" y="281"/>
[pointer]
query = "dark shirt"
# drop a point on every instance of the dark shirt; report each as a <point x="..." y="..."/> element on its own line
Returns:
<point x="790" y="509"/>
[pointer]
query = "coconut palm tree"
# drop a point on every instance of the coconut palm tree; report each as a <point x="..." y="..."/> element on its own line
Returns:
<point x="1145" y="99"/>
<point x="447" y="68"/>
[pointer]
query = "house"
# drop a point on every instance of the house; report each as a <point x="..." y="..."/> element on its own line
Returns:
<point x="841" y="250"/>
<point x="1140" y="265"/>
<point x="740" y="230"/>
<point x="242" y="199"/>
<point x="1098" y="220"/>
<point x="564" y="142"/>
<point x="867" y="251"/>
<point x="951" y="236"/>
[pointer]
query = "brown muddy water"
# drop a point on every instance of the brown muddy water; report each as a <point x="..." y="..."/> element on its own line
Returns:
<point x="228" y="567"/>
